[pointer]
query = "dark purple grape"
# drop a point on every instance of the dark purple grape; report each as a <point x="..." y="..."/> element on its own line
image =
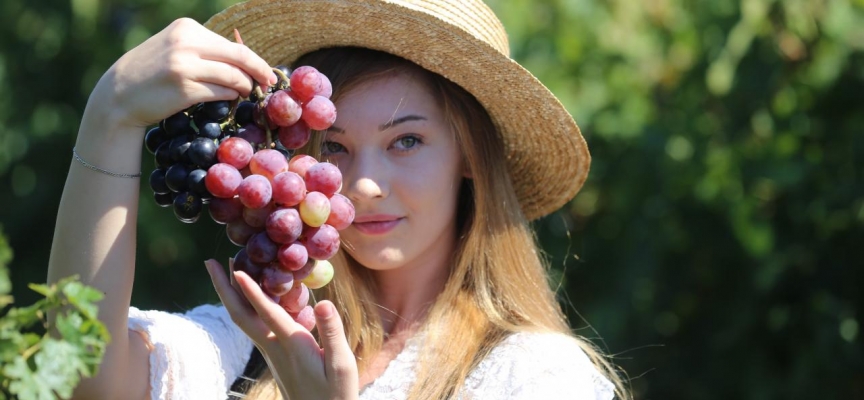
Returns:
<point x="176" y="177"/>
<point x="177" y="124"/>
<point x="210" y="130"/>
<point x="178" y="148"/>
<point x="154" y="137"/>
<point x="202" y="152"/>
<point x="164" y="199"/>
<point x="261" y="249"/>
<point x="195" y="182"/>
<point x="243" y="263"/>
<point x="157" y="181"/>
<point x="187" y="207"/>
<point x="163" y="156"/>
<point x="244" y="112"/>
<point x="216" y="110"/>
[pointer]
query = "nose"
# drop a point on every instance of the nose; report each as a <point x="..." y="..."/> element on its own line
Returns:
<point x="365" y="178"/>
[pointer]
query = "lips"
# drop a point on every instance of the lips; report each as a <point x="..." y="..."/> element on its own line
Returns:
<point x="377" y="224"/>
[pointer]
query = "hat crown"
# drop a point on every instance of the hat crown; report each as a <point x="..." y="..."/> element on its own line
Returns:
<point x="472" y="16"/>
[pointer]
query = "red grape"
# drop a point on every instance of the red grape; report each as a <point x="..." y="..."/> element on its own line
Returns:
<point x="243" y="263"/>
<point x="224" y="211"/>
<point x="321" y="242"/>
<point x="222" y="180"/>
<point x="288" y="189"/>
<point x="235" y="151"/>
<point x="292" y="256"/>
<point x="268" y="163"/>
<point x="252" y="134"/>
<point x="276" y="281"/>
<point x="341" y="212"/>
<point x="296" y="298"/>
<point x="319" y="113"/>
<point x="304" y="271"/>
<point x="306" y="82"/>
<point x="284" y="225"/>
<point x="283" y="109"/>
<point x="239" y="232"/>
<point x="261" y="249"/>
<point x="255" y="191"/>
<point x="294" y="136"/>
<point x="257" y="217"/>
<point x="300" y="163"/>
<point x="323" y="177"/>
<point x="306" y="318"/>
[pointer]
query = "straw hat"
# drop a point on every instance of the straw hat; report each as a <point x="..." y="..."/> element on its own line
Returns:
<point x="461" y="40"/>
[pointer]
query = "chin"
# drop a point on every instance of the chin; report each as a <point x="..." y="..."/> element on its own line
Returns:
<point x="385" y="259"/>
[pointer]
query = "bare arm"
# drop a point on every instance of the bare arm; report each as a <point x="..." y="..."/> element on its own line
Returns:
<point x="95" y="233"/>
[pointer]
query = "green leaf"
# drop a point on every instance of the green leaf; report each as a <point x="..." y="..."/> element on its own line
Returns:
<point x="24" y="383"/>
<point x="83" y="297"/>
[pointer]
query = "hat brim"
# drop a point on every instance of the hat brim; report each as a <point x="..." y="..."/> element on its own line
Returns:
<point x="547" y="156"/>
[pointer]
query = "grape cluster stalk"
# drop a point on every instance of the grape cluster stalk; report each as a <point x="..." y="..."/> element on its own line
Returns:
<point x="238" y="158"/>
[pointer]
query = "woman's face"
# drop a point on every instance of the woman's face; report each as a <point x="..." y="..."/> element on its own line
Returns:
<point x="401" y="168"/>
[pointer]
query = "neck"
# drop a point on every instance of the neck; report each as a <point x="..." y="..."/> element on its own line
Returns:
<point x="407" y="293"/>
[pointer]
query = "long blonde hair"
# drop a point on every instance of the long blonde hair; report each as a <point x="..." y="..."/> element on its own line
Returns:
<point x="497" y="283"/>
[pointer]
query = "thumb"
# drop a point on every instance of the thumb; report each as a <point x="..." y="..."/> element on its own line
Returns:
<point x="339" y="362"/>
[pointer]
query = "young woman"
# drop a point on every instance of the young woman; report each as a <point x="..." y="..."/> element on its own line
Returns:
<point x="448" y="149"/>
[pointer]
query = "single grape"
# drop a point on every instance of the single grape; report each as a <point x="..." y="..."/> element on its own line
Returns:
<point x="315" y="209"/>
<point x="323" y="177"/>
<point x="243" y="263"/>
<point x="306" y="318"/>
<point x="261" y="249"/>
<point x="276" y="281"/>
<point x="157" y="181"/>
<point x="268" y="163"/>
<point x="155" y="137"/>
<point x="187" y="207"/>
<point x="255" y="191"/>
<point x="341" y="212"/>
<point x="289" y="189"/>
<point x="306" y="82"/>
<point x="243" y="114"/>
<point x="176" y="177"/>
<point x="224" y="211"/>
<point x="216" y="110"/>
<point x="319" y="113"/>
<point x="235" y="151"/>
<point x="179" y="147"/>
<point x="210" y="130"/>
<point x="163" y="156"/>
<point x="257" y="217"/>
<point x="284" y="225"/>
<point x="326" y="87"/>
<point x="196" y="182"/>
<point x="300" y="163"/>
<point x="283" y="109"/>
<point x="292" y="256"/>
<point x="321" y="275"/>
<point x="239" y="232"/>
<point x="252" y="134"/>
<point x="164" y="199"/>
<point x="177" y="124"/>
<point x="296" y="299"/>
<point x="202" y="152"/>
<point x="321" y="242"/>
<point x="294" y="136"/>
<point x="222" y="180"/>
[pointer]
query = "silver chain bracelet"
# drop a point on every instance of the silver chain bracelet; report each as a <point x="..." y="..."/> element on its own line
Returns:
<point x="97" y="169"/>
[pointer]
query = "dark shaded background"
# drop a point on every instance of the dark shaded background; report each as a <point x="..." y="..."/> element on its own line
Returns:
<point x="716" y="248"/>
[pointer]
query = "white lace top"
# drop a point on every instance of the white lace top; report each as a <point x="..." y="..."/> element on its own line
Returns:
<point x="198" y="355"/>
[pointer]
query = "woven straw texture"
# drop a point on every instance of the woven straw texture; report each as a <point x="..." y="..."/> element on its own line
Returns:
<point x="461" y="40"/>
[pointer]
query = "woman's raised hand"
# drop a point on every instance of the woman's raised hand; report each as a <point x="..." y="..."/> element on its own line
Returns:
<point x="182" y="65"/>
<point x="302" y="368"/>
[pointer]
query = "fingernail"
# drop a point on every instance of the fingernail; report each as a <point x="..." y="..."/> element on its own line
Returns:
<point x="273" y="78"/>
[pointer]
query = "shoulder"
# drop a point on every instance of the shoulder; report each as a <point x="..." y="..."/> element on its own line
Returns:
<point x="539" y="365"/>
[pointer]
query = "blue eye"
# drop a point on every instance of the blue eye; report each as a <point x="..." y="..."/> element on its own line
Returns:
<point x="329" y="147"/>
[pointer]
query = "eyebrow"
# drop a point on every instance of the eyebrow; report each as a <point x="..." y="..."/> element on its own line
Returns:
<point x="386" y="125"/>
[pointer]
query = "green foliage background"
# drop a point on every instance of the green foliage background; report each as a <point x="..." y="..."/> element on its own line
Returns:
<point x="716" y="248"/>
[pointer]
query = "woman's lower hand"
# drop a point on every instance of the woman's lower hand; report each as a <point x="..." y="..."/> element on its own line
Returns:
<point x="302" y="368"/>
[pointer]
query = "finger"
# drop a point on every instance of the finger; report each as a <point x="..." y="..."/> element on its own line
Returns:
<point x="341" y="366"/>
<point x="205" y="91"/>
<point x="272" y="314"/>
<point x="222" y="74"/>
<point x="242" y="57"/>
<point x="239" y="309"/>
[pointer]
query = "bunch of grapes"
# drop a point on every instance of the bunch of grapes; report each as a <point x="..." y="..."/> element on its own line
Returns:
<point x="284" y="210"/>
